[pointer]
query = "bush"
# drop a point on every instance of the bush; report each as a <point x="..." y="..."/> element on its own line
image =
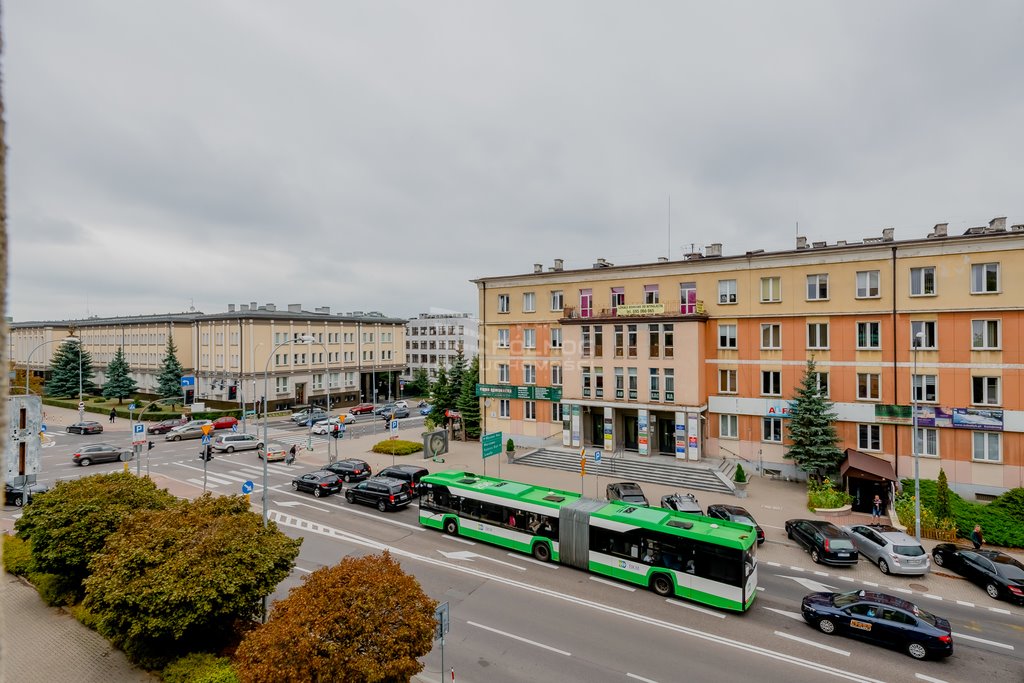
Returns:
<point x="97" y="399"/>
<point x="17" y="556"/>
<point x="199" y="667"/>
<point x="510" y="445"/>
<point x="825" y="495"/>
<point x="55" y="590"/>
<point x="83" y="615"/>
<point x="397" y="447"/>
<point x="999" y="520"/>
<point x="739" y="476"/>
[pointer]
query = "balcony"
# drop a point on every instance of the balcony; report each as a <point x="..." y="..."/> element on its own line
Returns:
<point x="666" y="310"/>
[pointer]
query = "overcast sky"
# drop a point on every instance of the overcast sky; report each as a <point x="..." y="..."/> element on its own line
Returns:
<point x="378" y="155"/>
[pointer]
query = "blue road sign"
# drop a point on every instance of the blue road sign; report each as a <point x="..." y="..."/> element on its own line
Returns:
<point x="597" y="456"/>
<point x="247" y="487"/>
<point x="42" y="427"/>
<point x="206" y="439"/>
<point x="138" y="428"/>
<point x="234" y="427"/>
<point x="188" y="381"/>
<point x="394" y="425"/>
<point x="131" y="406"/>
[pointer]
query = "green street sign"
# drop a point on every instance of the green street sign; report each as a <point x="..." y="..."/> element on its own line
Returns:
<point x="491" y="444"/>
<point x="529" y="393"/>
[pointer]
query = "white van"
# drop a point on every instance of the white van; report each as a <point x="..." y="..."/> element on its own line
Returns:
<point x="229" y="443"/>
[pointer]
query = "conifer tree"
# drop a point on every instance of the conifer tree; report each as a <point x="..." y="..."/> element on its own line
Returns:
<point x="455" y="374"/>
<point x="942" y="507"/>
<point x="171" y="372"/>
<point x="814" y="446"/>
<point x="441" y="398"/>
<point x="468" y="403"/>
<point x="65" y="371"/>
<point x="120" y="384"/>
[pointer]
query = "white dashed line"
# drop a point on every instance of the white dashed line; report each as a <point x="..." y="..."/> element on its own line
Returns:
<point x="639" y="678"/>
<point x="522" y="558"/>
<point x="929" y="678"/>
<point x="957" y="634"/>
<point x="797" y="569"/>
<point x="933" y="597"/>
<point x="845" y="578"/>
<point x="456" y="538"/>
<point x="999" y="610"/>
<point x="773" y="564"/>
<point x="965" y="603"/>
<point x="871" y="583"/>
<point x="811" y="642"/>
<point x="520" y="638"/>
<point x="902" y="590"/>
<point x="613" y="583"/>
<point x="821" y="573"/>
<point x="695" y="608"/>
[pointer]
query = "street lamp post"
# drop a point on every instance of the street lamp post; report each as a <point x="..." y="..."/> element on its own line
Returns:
<point x="916" y="344"/>
<point x="66" y="340"/>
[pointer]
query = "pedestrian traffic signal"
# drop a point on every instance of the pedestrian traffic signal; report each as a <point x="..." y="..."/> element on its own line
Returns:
<point x="150" y="444"/>
<point x="206" y="453"/>
<point x="232" y="393"/>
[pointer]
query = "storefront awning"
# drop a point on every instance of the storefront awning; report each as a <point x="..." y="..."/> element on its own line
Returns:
<point x="864" y="466"/>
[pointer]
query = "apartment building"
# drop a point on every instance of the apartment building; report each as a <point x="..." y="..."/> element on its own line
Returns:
<point x="701" y="357"/>
<point x="433" y="340"/>
<point x="235" y="354"/>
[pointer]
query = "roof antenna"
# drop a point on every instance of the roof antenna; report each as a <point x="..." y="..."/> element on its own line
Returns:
<point x="668" y="253"/>
<point x="191" y="305"/>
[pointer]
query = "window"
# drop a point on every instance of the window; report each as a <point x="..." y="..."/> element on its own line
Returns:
<point x="620" y="343"/>
<point x="985" y="278"/>
<point x="585" y="341"/>
<point x="668" y="337"/>
<point x="985" y="391"/>
<point x="867" y="284"/>
<point x="598" y="381"/>
<point x="620" y="383"/>
<point x="727" y="383"/>
<point x="869" y="386"/>
<point x="556" y="337"/>
<point x="631" y="340"/>
<point x="987" y="447"/>
<point x="727" y="336"/>
<point x="771" y="429"/>
<point x="586" y="303"/>
<point x="503" y="304"/>
<point x="654" y="385"/>
<point x="651" y="294"/>
<point x="618" y="297"/>
<point x="670" y="384"/>
<point x="925" y="388"/>
<point x="556" y="375"/>
<point x="869" y="437"/>
<point x="869" y="335"/>
<point x="726" y="291"/>
<point x="926" y="328"/>
<point x="504" y="408"/>
<point x="728" y="426"/>
<point x="654" y="340"/>
<point x="503" y="338"/>
<point x="771" y="383"/>
<point x="558" y="412"/>
<point x="688" y="298"/>
<point x="529" y="410"/>
<point x="557" y="300"/>
<point x="771" y="336"/>
<point x="633" y="383"/>
<point x="817" y="287"/>
<point x="817" y="335"/>
<point x="984" y="334"/>
<point x="529" y="302"/>
<point x="922" y="281"/>
<point x="503" y="373"/>
<point x="928" y="441"/>
<point x="529" y="338"/>
<point x="529" y="374"/>
<point x="318" y="382"/>
<point x="281" y="385"/>
<point x="771" y="290"/>
<point x="598" y="340"/>
<point x="820" y="380"/>
<point x="585" y="372"/>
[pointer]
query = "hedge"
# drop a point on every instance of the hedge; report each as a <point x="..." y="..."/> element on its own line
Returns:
<point x="17" y="555"/>
<point x="199" y="667"/>
<point x="1000" y="520"/>
<point x="397" y="447"/>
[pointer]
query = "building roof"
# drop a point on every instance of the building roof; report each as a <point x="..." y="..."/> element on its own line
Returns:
<point x="197" y="316"/>
<point x="866" y="466"/>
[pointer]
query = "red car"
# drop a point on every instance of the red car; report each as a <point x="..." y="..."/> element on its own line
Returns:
<point x="165" y="426"/>
<point x="361" y="409"/>
<point x="225" y="422"/>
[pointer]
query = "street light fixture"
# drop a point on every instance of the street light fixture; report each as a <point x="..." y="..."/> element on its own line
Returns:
<point x="70" y="339"/>
<point x="916" y="344"/>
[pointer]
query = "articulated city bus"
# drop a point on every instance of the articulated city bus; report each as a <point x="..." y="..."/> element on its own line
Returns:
<point x="711" y="561"/>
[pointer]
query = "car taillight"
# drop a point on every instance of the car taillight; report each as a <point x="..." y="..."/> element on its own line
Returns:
<point x="324" y="484"/>
<point x="827" y="549"/>
<point x="358" y="472"/>
<point x="946" y="639"/>
<point x="1016" y="590"/>
<point x="391" y="499"/>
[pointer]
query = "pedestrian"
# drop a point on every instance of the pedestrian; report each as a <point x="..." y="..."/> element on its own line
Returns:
<point x="113" y="414"/>
<point x="876" y="510"/>
<point x="291" y="455"/>
<point x="976" y="538"/>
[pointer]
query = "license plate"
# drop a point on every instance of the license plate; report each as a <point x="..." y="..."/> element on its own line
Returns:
<point x="843" y="554"/>
<point x="402" y="497"/>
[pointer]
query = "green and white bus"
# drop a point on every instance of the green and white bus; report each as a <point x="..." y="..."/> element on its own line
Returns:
<point x="706" y="560"/>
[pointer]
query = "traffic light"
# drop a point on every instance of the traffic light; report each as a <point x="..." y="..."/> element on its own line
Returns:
<point x="190" y="396"/>
<point x="207" y="453"/>
<point x="150" y="445"/>
<point x="233" y="393"/>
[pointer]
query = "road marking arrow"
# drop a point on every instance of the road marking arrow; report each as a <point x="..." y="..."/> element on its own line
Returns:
<point x="810" y="584"/>
<point x="293" y="503"/>
<point x="786" y="613"/>
<point x="469" y="557"/>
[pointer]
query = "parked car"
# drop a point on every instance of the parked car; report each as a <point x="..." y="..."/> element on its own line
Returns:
<point x="319" y="483"/>
<point x="683" y="502"/>
<point x="880" y="619"/>
<point x="410" y="474"/>
<point x="627" y="492"/>
<point x="385" y="409"/>
<point x="395" y="413"/>
<point x="384" y="492"/>
<point x="100" y="452"/>
<point x="191" y="430"/>
<point x="309" y="414"/>
<point x="225" y="422"/>
<point x="361" y="409"/>
<point x="892" y="550"/>
<point x="827" y="543"/>
<point x="425" y="410"/>
<point x="1000" y="575"/>
<point x="402" y="404"/>
<point x="164" y="426"/>
<point x="734" y="513"/>
<point x="19" y="495"/>
<point x="275" y="451"/>
<point x="350" y="469"/>
<point x="85" y="428"/>
<point x="328" y="425"/>
<point x="229" y="443"/>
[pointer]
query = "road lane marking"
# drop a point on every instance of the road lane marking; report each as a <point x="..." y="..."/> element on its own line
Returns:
<point x="456" y="538"/>
<point x="786" y="613"/>
<point x="982" y="640"/>
<point x="350" y="508"/>
<point x="639" y="678"/>
<point x="616" y="584"/>
<point x="811" y="642"/>
<point x="928" y="678"/>
<point x="1000" y="610"/>
<point x="673" y="601"/>
<point x="965" y="603"/>
<point x="773" y="564"/>
<point x="520" y="638"/>
<point x="524" y="558"/>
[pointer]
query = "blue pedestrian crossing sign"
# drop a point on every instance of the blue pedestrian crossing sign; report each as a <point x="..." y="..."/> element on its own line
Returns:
<point x="42" y="427"/>
<point x="597" y="456"/>
<point x="131" y="406"/>
<point x="206" y="439"/>
<point x="234" y="427"/>
<point x="247" y="487"/>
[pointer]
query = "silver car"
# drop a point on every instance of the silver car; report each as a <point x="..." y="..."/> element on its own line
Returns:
<point x="892" y="550"/>
<point x="229" y="443"/>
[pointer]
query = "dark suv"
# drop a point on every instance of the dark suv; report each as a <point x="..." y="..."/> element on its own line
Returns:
<point x="350" y="469"/>
<point x="734" y="513"/>
<point x="319" y="483"/>
<point x="410" y="474"/>
<point x="683" y="502"/>
<point x="627" y="492"/>
<point x="384" y="492"/>
<point x="827" y="543"/>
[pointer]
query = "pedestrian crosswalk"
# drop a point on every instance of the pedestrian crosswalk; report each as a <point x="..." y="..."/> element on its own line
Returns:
<point x="242" y="473"/>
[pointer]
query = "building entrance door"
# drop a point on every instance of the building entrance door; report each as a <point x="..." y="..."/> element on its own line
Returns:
<point x="630" y="433"/>
<point x="300" y="393"/>
<point x="597" y="429"/>
<point x="667" y="436"/>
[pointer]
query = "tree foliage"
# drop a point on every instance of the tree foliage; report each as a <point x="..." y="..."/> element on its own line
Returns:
<point x="468" y="403"/>
<point x="420" y="383"/>
<point x="375" y="626"/>
<point x="942" y="507"/>
<point x="64" y="371"/>
<point x="120" y="384"/>
<point x="456" y="372"/>
<point x="441" y="398"/>
<point x="171" y="372"/>
<point x="814" y="446"/>
<point x="70" y="524"/>
<point x="176" y="580"/>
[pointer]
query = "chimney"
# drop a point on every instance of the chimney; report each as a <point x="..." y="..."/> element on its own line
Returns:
<point x="252" y="305"/>
<point x="295" y="308"/>
<point x="997" y="224"/>
<point x="558" y="264"/>
<point x="323" y="309"/>
<point x="663" y="259"/>
<point x="243" y="307"/>
<point x="1017" y="228"/>
<point x="538" y="267"/>
<point x="801" y="242"/>
<point x="231" y="308"/>
<point x="270" y="307"/>
<point x="887" y="234"/>
<point x="714" y="249"/>
<point x="840" y="243"/>
<point x="819" y="245"/>
<point x="939" y="230"/>
<point x="601" y="263"/>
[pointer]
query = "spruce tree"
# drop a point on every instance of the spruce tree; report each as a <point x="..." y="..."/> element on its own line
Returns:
<point x="120" y="384"/>
<point x="455" y="374"/>
<point x="441" y="398"/>
<point x="171" y="372"/>
<point x="419" y="385"/>
<point x="942" y="508"/>
<point x="814" y="446"/>
<point x="65" y="371"/>
<point x="468" y="403"/>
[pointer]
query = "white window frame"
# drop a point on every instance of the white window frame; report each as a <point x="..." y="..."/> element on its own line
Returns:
<point x="727" y="336"/>
<point x="557" y="300"/>
<point x="556" y="375"/>
<point x="504" y="304"/>
<point x="925" y="388"/>
<point x="930" y="340"/>
<point x="529" y="373"/>
<point x="815" y="332"/>
<point x="869" y="284"/>
<point x="504" y="373"/>
<point x="728" y="427"/>
<point x="816" y="283"/>
<point x="980" y="278"/>
<point x="774" y="338"/>
<point x="529" y="302"/>
<point x="771" y="383"/>
<point x="556" y="337"/>
<point x="874" y="382"/>
<point x="986" y="447"/>
<point x="529" y="338"/>
<point x="869" y="437"/>
<point x="818" y="377"/>
<point x="990" y="390"/>
<point x="771" y="429"/>
<point x="530" y="410"/>
<point x="652" y="294"/>
<point x="982" y="332"/>
<point x="928" y="442"/>
<point x="727" y="292"/>
<point x="919" y="281"/>
<point x="864" y="334"/>
<point x="773" y="285"/>
<point x="728" y="381"/>
<point x="504" y="408"/>
<point x="504" y="338"/>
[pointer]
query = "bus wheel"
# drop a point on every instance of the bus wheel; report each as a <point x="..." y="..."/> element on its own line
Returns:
<point x="542" y="552"/>
<point x="451" y="527"/>
<point x="661" y="584"/>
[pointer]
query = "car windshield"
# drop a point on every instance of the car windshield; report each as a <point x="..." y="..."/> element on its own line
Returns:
<point x="634" y="498"/>
<point x="743" y="519"/>
<point x="908" y="550"/>
<point x="844" y="599"/>
<point x="924" y="616"/>
<point x="840" y="544"/>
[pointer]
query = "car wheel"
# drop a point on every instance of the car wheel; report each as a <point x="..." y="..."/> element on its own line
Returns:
<point x="230" y="449"/>
<point x="348" y="478"/>
<point x="84" y="462"/>
<point x="19" y="501"/>
<point x="259" y="446"/>
<point x="451" y="527"/>
<point x="883" y="566"/>
<point x="316" y="492"/>
<point x="826" y="626"/>
<point x="350" y="497"/>
<point x="177" y="437"/>
<point x="815" y="557"/>
<point x="992" y="590"/>
<point x="295" y="485"/>
<point x="381" y="505"/>
<point x="542" y="551"/>
<point x="917" y="650"/>
<point x="661" y="584"/>
<point x="940" y="559"/>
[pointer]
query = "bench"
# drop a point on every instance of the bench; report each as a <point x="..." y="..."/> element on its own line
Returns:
<point x="771" y="472"/>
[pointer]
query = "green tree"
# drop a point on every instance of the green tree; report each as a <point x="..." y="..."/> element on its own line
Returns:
<point x="71" y="522"/>
<point x="177" y="580"/>
<point x="441" y="398"/>
<point x="65" y="371"/>
<point x="468" y="403"/>
<point x="420" y="383"/>
<point x="942" y="507"/>
<point x="814" y="446"/>
<point x="171" y="372"/>
<point x="120" y="384"/>
<point x="374" y="628"/>
<point x="456" y="371"/>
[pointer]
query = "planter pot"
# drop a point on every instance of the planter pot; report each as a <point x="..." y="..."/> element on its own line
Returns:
<point x="833" y="512"/>
<point x="511" y="456"/>
<point x="741" y="488"/>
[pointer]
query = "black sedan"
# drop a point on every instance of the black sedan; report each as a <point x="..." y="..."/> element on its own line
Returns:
<point x="19" y="495"/>
<point x="734" y="513"/>
<point x="319" y="483"/>
<point x="827" y="543"/>
<point x="85" y="428"/>
<point x="350" y="469"/>
<point x="1000" y="575"/>
<point x="100" y="452"/>
<point x="880" y="619"/>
